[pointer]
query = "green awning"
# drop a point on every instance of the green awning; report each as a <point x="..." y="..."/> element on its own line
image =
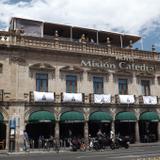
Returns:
<point x="149" y="116"/>
<point x="41" y="116"/>
<point x="1" y="118"/>
<point x="72" y="116"/>
<point x="126" y="117"/>
<point x="100" y="116"/>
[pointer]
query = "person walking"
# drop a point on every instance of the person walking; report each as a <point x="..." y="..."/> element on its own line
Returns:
<point x="26" y="141"/>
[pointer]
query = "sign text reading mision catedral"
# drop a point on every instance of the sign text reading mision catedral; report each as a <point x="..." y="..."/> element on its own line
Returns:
<point x="120" y="65"/>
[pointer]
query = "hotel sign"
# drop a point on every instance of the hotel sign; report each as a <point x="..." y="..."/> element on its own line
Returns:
<point x="120" y="65"/>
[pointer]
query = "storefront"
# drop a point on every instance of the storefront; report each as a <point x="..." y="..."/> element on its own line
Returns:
<point x="2" y="132"/>
<point x="148" y="127"/>
<point x="40" y="125"/>
<point x="125" y="125"/>
<point x="72" y="125"/>
<point x="99" y="121"/>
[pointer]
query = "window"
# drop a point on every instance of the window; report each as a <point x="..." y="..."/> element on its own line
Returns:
<point x="123" y="86"/>
<point x="145" y="86"/>
<point x="41" y="82"/>
<point x="71" y="84"/>
<point x="98" y="85"/>
<point x="1" y="68"/>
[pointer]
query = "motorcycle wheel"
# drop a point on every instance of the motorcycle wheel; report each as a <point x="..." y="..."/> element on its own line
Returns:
<point x="126" y="146"/>
<point x="117" y="146"/>
<point x="112" y="146"/>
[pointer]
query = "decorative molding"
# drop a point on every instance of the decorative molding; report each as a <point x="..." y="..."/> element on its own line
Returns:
<point x="98" y="71"/>
<point x="17" y="60"/>
<point x="42" y="67"/>
<point x="145" y="75"/>
<point x="123" y="73"/>
<point x="72" y="69"/>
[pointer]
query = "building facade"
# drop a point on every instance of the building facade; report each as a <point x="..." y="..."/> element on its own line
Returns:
<point x="64" y="81"/>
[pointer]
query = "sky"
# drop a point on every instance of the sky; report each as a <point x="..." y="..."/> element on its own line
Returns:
<point x="139" y="17"/>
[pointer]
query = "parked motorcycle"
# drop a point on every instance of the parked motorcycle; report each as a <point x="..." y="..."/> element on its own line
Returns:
<point x="103" y="143"/>
<point x="121" y="142"/>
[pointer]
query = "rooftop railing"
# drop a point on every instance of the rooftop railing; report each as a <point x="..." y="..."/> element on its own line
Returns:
<point x="76" y="47"/>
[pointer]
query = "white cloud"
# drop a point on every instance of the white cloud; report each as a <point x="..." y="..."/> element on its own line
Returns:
<point x="129" y="16"/>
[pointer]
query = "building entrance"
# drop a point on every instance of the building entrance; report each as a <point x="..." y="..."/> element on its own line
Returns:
<point x="40" y="128"/>
<point x="94" y="127"/>
<point x="148" y="131"/>
<point x="126" y="129"/>
<point x="2" y="136"/>
<point x="39" y="133"/>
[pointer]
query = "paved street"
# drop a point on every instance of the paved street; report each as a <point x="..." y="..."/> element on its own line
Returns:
<point x="133" y="153"/>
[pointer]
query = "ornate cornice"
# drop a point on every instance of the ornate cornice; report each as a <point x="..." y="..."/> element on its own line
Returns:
<point x="72" y="69"/>
<point x="17" y="60"/>
<point x="42" y="67"/>
<point x="123" y="73"/>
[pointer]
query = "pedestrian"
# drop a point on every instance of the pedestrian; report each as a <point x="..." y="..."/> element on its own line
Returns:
<point x="112" y="136"/>
<point x="26" y="140"/>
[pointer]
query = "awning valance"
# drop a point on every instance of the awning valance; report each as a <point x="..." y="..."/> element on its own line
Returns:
<point x="126" y="116"/>
<point x="149" y="116"/>
<point x="72" y="116"/>
<point x="41" y="116"/>
<point x="100" y="116"/>
<point x="1" y="118"/>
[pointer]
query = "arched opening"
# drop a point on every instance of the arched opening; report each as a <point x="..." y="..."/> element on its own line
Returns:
<point x="2" y="133"/>
<point x="148" y="127"/>
<point x="40" y="125"/>
<point x="99" y="121"/>
<point x="71" y="126"/>
<point x="125" y="125"/>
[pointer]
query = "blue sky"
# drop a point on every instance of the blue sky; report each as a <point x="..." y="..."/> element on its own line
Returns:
<point x="139" y="17"/>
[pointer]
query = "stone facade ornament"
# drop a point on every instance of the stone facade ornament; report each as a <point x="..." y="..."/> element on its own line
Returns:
<point x="18" y="60"/>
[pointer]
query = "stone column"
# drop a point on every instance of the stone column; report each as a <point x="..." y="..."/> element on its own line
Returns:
<point x="86" y="131"/>
<point x="158" y="131"/>
<point x="57" y="128"/>
<point x="113" y="127"/>
<point x="137" y="132"/>
<point x="7" y="135"/>
<point x="113" y="122"/>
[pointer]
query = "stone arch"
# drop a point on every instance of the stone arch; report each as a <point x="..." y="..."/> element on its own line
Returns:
<point x="5" y="114"/>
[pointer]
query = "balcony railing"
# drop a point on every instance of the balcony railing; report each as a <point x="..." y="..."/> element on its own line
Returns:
<point x="100" y="98"/>
<point x="125" y="99"/>
<point x="148" y="100"/>
<point x="68" y="46"/>
<point x="78" y="98"/>
<point x="1" y="95"/>
<point x="72" y="97"/>
<point x="43" y="97"/>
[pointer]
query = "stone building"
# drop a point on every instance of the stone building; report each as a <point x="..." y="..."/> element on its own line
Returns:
<point x="65" y="81"/>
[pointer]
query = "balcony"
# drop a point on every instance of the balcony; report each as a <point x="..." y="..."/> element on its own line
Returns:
<point x="125" y="99"/>
<point x="68" y="46"/>
<point x="1" y="95"/>
<point x="100" y="98"/>
<point x="41" y="97"/>
<point x="72" y="97"/>
<point x="148" y="100"/>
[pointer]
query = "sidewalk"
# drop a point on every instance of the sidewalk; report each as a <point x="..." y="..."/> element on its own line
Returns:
<point x="32" y="151"/>
<point x="145" y="144"/>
